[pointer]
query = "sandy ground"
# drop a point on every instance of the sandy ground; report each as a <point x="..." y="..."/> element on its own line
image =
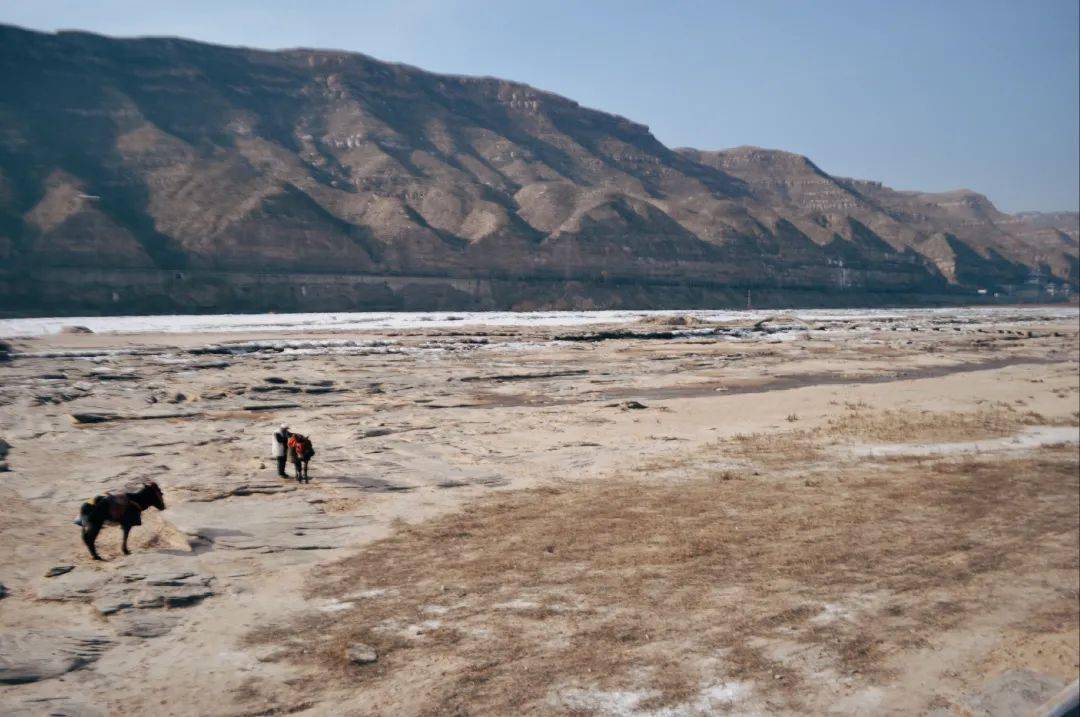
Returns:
<point x="858" y="517"/>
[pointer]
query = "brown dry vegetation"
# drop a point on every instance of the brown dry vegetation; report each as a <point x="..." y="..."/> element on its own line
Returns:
<point x="667" y="587"/>
<point x="858" y="424"/>
<point x="913" y="426"/>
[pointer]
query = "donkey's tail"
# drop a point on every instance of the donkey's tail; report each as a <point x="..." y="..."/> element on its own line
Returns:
<point x="85" y="510"/>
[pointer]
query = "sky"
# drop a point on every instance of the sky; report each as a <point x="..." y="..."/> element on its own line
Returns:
<point x="919" y="94"/>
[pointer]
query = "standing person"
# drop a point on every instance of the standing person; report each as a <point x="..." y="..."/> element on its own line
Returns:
<point x="280" y="446"/>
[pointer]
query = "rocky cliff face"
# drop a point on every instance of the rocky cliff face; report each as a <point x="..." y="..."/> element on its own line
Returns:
<point x="961" y="232"/>
<point x="178" y="164"/>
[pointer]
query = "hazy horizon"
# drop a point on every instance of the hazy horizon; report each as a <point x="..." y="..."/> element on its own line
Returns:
<point x="980" y="96"/>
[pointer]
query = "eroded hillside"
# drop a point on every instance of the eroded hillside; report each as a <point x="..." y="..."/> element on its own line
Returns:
<point x="164" y="174"/>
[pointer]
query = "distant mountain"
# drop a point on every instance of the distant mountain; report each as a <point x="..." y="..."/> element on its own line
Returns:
<point x="1053" y="232"/>
<point x="166" y="175"/>
<point x="962" y="232"/>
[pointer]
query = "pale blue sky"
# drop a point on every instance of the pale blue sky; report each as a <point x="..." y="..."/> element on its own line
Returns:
<point x="920" y="94"/>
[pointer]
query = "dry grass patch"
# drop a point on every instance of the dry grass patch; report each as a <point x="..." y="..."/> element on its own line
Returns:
<point x="773" y="450"/>
<point x="801" y="449"/>
<point x="665" y="589"/>
<point x="900" y="426"/>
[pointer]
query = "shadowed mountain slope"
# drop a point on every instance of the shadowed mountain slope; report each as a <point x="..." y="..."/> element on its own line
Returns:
<point x="164" y="174"/>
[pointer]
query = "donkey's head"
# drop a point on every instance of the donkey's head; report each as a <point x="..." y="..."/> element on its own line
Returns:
<point x="152" y="492"/>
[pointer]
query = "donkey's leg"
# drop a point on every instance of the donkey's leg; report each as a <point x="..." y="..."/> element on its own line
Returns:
<point x="89" y="536"/>
<point x="127" y="529"/>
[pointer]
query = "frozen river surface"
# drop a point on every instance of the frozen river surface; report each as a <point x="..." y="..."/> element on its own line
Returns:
<point x="344" y="321"/>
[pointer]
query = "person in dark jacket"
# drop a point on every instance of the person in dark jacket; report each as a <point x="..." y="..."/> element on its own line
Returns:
<point x="280" y="446"/>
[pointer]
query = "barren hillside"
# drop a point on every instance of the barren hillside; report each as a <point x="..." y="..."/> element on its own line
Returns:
<point x="163" y="174"/>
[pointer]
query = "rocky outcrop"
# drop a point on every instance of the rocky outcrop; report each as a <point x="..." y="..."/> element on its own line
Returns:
<point x="162" y="175"/>
<point x="140" y="599"/>
<point x="31" y="655"/>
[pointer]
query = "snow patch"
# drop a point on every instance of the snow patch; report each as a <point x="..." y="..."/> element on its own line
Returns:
<point x="831" y="612"/>
<point x="626" y="703"/>
<point x="1031" y="437"/>
<point x="517" y="605"/>
<point x="336" y="606"/>
<point x="367" y="594"/>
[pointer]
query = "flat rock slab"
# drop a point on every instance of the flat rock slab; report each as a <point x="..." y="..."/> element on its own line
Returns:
<point x="40" y="654"/>
<point x="141" y="596"/>
<point x="279" y="651"/>
<point x="57" y="570"/>
<point x="268" y="406"/>
<point x="145" y="584"/>
<point x="276" y="526"/>
<point x="208" y="365"/>
<point x="501" y="378"/>
<point x="51" y="706"/>
<point x="243" y="489"/>
<point x="1015" y="692"/>
<point x="114" y="376"/>
<point x="103" y="417"/>
<point x="81" y="586"/>
<point x="145" y="624"/>
<point x="94" y="417"/>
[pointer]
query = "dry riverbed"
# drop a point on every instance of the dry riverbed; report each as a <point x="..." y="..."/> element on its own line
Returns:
<point x="672" y="517"/>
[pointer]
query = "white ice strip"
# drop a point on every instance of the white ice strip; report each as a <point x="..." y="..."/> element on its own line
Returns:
<point x="1032" y="437"/>
<point x="339" y="321"/>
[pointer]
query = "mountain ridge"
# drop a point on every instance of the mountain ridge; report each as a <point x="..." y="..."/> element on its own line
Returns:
<point x="177" y="158"/>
